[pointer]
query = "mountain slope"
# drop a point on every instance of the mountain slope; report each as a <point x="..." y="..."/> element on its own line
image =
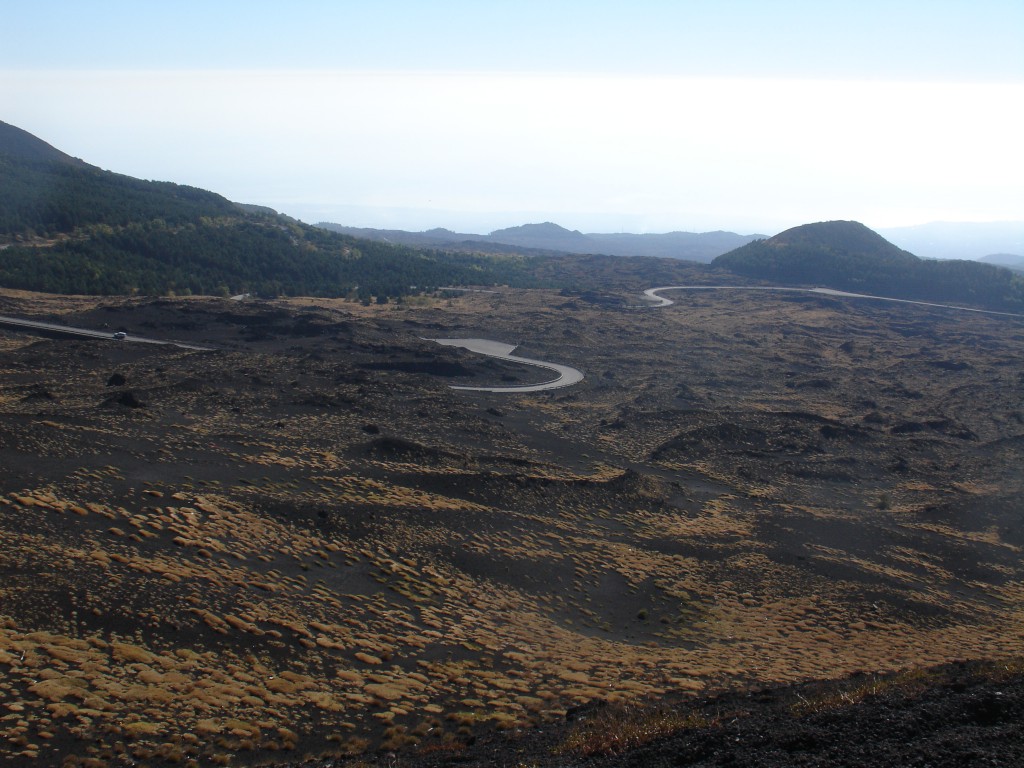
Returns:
<point x="70" y="227"/>
<point x="46" y="192"/>
<point x="21" y="144"/>
<point x="849" y="256"/>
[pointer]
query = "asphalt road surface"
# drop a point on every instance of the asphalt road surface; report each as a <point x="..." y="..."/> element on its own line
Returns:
<point x="566" y="376"/>
<point x="661" y="301"/>
<point x="89" y="333"/>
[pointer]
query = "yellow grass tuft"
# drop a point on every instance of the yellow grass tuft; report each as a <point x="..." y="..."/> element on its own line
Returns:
<point x="616" y="728"/>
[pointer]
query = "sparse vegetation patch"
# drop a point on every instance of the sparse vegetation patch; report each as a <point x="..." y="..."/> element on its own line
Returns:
<point x="241" y="572"/>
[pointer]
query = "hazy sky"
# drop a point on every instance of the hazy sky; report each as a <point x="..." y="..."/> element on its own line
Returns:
<point x="748" y="115"/>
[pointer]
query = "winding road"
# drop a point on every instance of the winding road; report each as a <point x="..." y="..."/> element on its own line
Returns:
<point x="566" y="376"/>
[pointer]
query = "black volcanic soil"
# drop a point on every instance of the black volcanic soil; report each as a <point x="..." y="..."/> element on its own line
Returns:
<point x="949" y="716"/>
<point x="304" y="543"/>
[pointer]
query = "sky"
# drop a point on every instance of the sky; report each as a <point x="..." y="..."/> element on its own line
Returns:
<point x="646" y="116"/>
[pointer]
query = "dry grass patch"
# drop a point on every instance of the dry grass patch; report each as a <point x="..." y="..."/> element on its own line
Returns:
<point x="616" y="728"/>
<point x="850" y="692"/>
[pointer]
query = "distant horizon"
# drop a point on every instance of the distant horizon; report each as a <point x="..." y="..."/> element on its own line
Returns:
<point x="423" y="220"/>
<point x="736" y="116"/>
<point x="483" y="224"/>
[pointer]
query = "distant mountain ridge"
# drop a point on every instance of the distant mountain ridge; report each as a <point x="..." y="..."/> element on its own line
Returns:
<point x="1008" y="260"/>
<point x="547" y="236"/>
<point x="848" y="256"/>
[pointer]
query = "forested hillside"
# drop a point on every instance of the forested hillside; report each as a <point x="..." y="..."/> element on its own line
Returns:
<point x="69" y="227"/>
<point x="266" y="255"/>
<point x="848" y="256"/>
